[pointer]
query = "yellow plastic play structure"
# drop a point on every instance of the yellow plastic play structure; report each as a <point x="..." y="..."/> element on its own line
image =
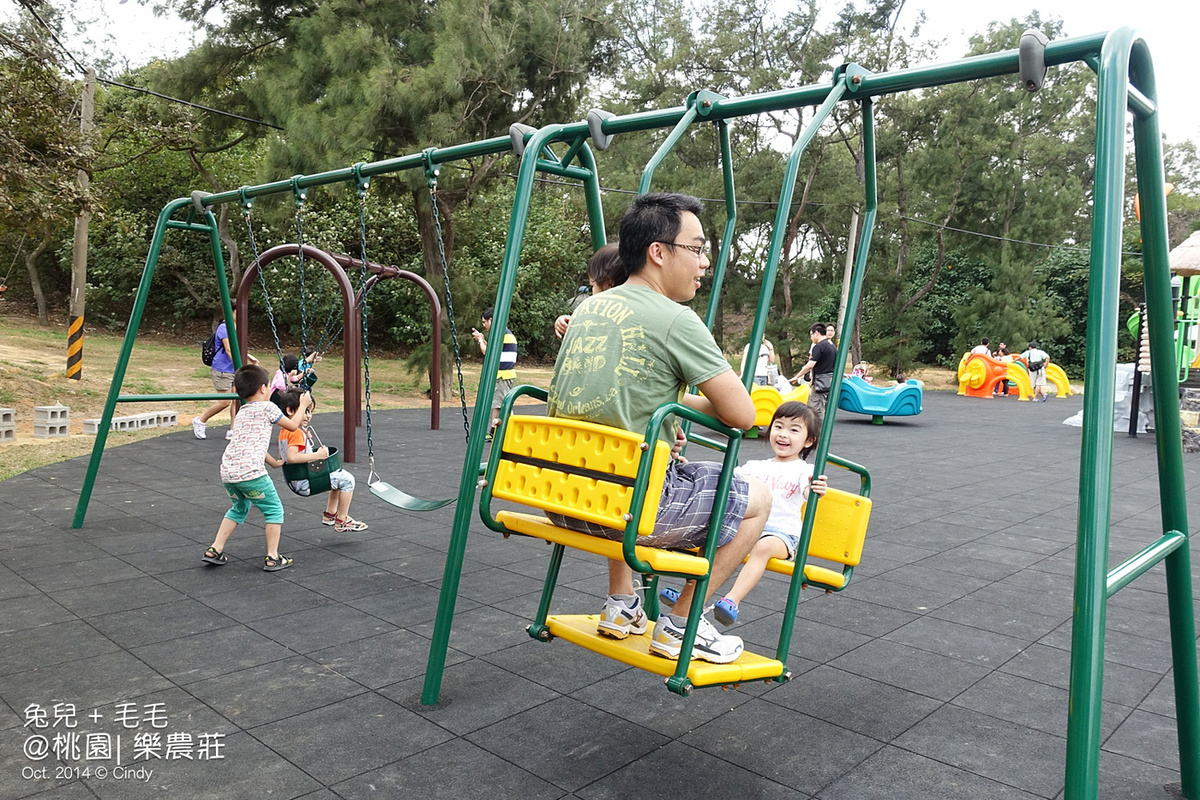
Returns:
<point x="767" y="398"/>
<point x="976" y="379"/>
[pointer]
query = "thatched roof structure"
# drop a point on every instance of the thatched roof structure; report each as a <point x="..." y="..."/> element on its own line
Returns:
<point x="1185" y="259"/>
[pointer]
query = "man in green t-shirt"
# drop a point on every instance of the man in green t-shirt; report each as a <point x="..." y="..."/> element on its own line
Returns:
<point x="626" y="352"/>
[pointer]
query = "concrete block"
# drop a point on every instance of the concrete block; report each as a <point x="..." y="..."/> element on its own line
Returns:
<point x="168" y="419"/>
<point x="91" y="426"/>
<point x="8" y="417"/>
<point x="148" y="420"/>
<point x="51" y="415"/>
<point x="124" y="424"/>
<point x="57" y="430"/>
<point x="1189" y="419"/>
<point x="8" y="433"/>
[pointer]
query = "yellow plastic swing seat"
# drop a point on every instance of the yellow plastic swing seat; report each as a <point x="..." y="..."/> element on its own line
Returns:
<point x="838" y="535"/>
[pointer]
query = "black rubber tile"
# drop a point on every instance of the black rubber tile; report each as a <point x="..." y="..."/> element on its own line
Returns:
<point x="1132" y="779"/>
<point x="382" y="660"/>
<point x="208" y="655"/>
<point x="456" y="769"/>
<point x="749" y="735"/>
<point x="474" y="694"/>
<point x="47" y="645"/>
<point x="932" y="675"/>
<point x="1146" y="737"/>
<point x="482" y="630"/>
<point x="274" y="691"/>
<point x="1161" y="699"/>
<point x="32" y="557"/>
<point x="92" y="682"/>
<point x="898" y="774"/>
<point x="1124" y="686"/>
<point x="408" y="605"/>
<point x="1028" y="626"/>
<point x="1015" y="755"/>
<point x="133" y="543"/>
<point x="110" y="598"/>
<point x="350" y="581"/>
<point x="255" y="595"/>
<point x="248" y="769"/>
<point x="972" y="645"/>
<point x="854" y="702"/>
<point x="350" y="737"/>
<point x="320" y="627"/>
<point x="1032" y="704"/>
<point x="33" y="611"/>
<point x="160" y="623"/>
<point x="916" y="598"/>
<point x="674" y="772"/>
<point x="95" y="571"/>
<point x="1129" y="649"/>
<point x="643" y="699"/>
<point x="561" y="666"/>
<point x="561" y="742"/>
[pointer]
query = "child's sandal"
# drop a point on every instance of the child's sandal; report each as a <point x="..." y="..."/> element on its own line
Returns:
<point x="327" y="518"/>
<point x="214" y="556"/>
<point x="349" y="524"/>
<point x="274" y="564"/>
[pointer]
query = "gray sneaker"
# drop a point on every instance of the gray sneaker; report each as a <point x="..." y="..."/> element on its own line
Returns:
<point x="619" y="619"/>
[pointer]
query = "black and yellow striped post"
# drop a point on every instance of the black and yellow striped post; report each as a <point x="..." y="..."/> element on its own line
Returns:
<point x="75" y="349"/>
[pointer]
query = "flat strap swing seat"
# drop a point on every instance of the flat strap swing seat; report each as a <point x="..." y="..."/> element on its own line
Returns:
<point x="394" y="497"/>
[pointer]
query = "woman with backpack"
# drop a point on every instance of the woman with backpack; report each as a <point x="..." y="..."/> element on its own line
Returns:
<point x="222" y="380"/>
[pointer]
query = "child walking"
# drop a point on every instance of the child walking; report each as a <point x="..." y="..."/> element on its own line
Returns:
<point x="506" y="372"/>
<point x="294" y="449"/>
<point x="243" y="470"/>
<point x="793" y="437"/>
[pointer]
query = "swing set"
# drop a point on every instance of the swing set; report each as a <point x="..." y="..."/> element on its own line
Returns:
<point x="613" y="474"/>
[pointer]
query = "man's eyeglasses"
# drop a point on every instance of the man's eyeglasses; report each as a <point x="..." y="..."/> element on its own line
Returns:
<point x="698" y="249"/>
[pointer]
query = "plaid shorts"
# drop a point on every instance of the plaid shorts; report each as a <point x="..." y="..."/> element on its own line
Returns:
<point x="689" y="493"/>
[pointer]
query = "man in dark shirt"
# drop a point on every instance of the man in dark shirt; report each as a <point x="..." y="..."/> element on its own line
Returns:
<point x="820" y="364"/>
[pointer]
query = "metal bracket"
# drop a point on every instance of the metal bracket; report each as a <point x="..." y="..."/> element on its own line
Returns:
<point x="517" y="132"/>
<point x="854" y="74"/>
<point x="197" y="196"/>
<point x="1031" y="59"/>
<point x="595" y="122"/>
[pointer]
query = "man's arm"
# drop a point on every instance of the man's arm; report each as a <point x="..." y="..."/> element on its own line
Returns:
<point x="726" y="399"/>
<point x="807" y="368"/>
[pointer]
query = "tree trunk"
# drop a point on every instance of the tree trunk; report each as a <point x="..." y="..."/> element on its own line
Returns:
<point x="35" y="282"/>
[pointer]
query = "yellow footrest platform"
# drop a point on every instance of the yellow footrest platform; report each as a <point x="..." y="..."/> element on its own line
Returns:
<point x="634" y="651"/>
<point x="670" y="561"/>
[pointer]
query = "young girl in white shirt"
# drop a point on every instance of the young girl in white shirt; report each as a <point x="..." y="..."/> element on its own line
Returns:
<point x="793" y="437"/>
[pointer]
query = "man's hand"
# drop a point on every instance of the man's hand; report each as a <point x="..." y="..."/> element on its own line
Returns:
<point x="251" y="359"/>
<point x="680" y="443"/>
<point x="560" y="325"/>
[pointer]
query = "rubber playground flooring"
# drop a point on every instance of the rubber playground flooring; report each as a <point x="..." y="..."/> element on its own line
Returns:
<point x="128" y="669"/>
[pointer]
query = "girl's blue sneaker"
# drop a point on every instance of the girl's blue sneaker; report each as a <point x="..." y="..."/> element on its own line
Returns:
<point x="725" y="611"/>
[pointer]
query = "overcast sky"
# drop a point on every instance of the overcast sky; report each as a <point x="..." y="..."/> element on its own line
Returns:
<point x="1171" y="29"/>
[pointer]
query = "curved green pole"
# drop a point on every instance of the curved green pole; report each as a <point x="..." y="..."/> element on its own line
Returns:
<point x="464" y="510"/>
<point x="853" y="297"/>
<point x="135" y="319"/>
<point x="667" y="146"/>
<point x="1095" y="461"/>
<point x="1172" y="490"/>
<point x="718" y="272"/>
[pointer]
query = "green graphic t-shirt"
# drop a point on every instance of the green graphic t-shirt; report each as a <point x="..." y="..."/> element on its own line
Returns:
<point x="626" y="352"/>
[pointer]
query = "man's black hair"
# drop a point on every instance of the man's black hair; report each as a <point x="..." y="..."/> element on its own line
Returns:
<point x="248" y="380"/>
<point x="487" y="313"/>
<point x="651" y="218"/>
<point x="818" y="327"/>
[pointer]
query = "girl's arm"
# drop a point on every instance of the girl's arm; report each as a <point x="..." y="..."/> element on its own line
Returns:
<point x="273" y="462"/>
<point x="819" y="485"/>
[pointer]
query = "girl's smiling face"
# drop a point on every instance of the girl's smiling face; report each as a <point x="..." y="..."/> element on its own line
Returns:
<point x="788" y="437"/>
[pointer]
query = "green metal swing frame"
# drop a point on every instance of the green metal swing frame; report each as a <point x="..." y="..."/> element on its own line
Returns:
<point x="1122" y="62"/>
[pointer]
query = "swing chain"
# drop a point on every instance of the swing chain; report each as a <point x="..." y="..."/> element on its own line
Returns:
<point x="299" y="195"/>
<point x="247" y="204"/>
<point x="437" y="227"/>
<point x="363" y="184"/>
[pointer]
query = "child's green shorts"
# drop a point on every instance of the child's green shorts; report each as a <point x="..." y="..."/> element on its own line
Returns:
<point x="258" y="492"/>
